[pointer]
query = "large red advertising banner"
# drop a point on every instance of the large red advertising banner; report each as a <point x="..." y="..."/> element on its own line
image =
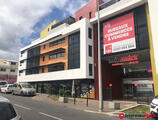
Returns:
<point x="119" y="34"/>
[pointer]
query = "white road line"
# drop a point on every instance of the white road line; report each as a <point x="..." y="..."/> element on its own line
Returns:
<point x="50" y="116"/>
<point x="22" y="107"/>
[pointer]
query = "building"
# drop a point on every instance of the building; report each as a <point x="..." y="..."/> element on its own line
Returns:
<point x="64" y="55"/>
<point x="8" y="70"/>
<point x="129" y="61"/>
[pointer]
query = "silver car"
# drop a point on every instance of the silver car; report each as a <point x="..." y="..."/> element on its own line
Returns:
<point x="7" y="111"/>
<point x="23" y="89"/>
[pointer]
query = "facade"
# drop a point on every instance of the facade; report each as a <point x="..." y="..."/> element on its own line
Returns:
<point x="128" y="50"/>
<point x="61" y="57"/>
<point x="8" y="70"/>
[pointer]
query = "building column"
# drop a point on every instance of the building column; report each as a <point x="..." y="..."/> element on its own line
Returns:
<point x="152" y="17"/>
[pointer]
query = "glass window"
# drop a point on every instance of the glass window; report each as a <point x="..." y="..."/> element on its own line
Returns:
<point x="60" y="41"/>
<point x="90" y="70"/>
<point x="12" y="70"/>
<point x="43" y="58"/>
<point x="80" y="17"/>
<point x="90" y="33"/>
<point x="90" y="51"/>
<point x="3" y="69"/>
<point x="90" y="15"/>
<point x="42" y="70"/>
<point x="13" y="63"/>
<point x="44" y="46"/>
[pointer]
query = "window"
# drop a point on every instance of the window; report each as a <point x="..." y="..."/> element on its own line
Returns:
<point x="48" y="29"/>
<point x="90" y="33"/>
<point x="58" y="55"/>
<point x="57" y="42"/>
<point x="90" y="15"/>
<point x="74" y="51"/>
<point x="44" y="46"/>
<point x="90" y="51"/>
<point x="12" y="70"/>
<point x="3" y="69"/>
<point x="43" y="58"/>
<point x="42" y="70"/>
<point x="90" y="70"/>
<point x="13" y="63"/>
<point x="21" y="71"/>
<point x="22" y="52"/>
<point x="56" y="67"/>
<point x="80" y="18"/>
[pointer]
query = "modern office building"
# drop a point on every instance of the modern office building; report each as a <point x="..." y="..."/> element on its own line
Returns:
<point x="8" y="70"/>
<point x="64" y="55"/>
<point x="129" y="62"/>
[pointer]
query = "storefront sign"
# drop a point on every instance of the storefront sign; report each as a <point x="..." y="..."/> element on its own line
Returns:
<point x="119" y="34"/>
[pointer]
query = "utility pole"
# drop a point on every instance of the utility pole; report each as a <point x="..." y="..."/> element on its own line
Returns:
<point x="99" y="64"/>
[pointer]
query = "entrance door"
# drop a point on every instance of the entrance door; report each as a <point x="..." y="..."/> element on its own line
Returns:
<point x="128" y="90"/>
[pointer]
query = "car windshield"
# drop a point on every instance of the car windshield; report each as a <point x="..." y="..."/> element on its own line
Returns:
<point x="26" y="86"/>
<point x="4" y="86"/>
<point x="10" y="86"/>
<point x="7" y="111"/>
<point x="3" y="83"/>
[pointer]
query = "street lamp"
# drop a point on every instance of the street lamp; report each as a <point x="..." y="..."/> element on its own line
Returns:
<point x="99" y="64"/>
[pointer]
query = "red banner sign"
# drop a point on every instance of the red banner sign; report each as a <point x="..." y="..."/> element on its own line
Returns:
<point x="119" y="34"/>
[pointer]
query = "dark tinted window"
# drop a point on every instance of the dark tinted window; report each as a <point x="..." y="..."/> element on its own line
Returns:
<point x="90" y="70"/>
<point x="3" y="83"/>
<point x="57" y="42"/>
<point x="7" y="111"/>
<point x="90" y="14"/>
<point x="13" y="63"/>
<point x="80" y="18"/>
<point x="90" y="51"/>
<point x="56" y="67"/>
<point x="42" y="70"/>
<point x="12" y="70"/>
<point x="74" y="51"/>
<point x="43" y="58"/>
<point x="90" y="33"/>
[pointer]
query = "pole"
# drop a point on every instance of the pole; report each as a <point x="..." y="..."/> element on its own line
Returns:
<point x="99" y="64"/>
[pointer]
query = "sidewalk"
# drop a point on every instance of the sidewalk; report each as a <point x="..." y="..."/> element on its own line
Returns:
<point x="93" y="105"/>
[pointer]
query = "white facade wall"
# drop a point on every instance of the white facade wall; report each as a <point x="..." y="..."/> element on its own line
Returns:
<point x="80" y="73"/>
<point x="23" y="56"/>
<point x="153" y="7"/>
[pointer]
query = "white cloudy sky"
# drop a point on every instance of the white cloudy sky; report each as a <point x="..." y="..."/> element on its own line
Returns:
<point x="18" y="18"/>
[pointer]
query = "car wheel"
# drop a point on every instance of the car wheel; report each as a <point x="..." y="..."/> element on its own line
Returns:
<point x="12" y="92"/>
<point x="22" y="94"/>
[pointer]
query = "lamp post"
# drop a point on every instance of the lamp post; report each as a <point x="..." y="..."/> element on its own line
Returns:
<point x="99" y="64"/>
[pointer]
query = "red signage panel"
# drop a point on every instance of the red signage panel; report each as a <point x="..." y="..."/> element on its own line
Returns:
<point x="119" y="34"/>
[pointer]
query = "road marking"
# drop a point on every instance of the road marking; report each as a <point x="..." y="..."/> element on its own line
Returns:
<point x="50" y="116"/>
<point x="22" y="107"/>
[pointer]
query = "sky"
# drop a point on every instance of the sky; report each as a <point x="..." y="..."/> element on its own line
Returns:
<point x="21" y="21"/>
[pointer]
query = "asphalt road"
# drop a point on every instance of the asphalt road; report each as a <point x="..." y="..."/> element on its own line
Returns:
<point x="30" y="109"/>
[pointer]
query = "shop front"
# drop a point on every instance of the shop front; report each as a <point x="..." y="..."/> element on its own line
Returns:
<point x="126" y="64"/>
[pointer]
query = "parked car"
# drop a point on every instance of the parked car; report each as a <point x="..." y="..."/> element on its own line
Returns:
<point x="154" y="106"/>
<point x="7" y="111"/>
<point x="23" y="89"/>
<point x="3" y="83"/>
<point x="8" y="88"/>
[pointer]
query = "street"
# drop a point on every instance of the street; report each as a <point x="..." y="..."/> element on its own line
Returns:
<point x="30" y="109"/>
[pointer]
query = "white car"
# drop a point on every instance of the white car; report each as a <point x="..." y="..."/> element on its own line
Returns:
<point x="23" y="89"/>
<point x="154" y="106"/>
<point x="3" y="83"/>
<point x="7" y="88"/>
<point x="7" y="111"/>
